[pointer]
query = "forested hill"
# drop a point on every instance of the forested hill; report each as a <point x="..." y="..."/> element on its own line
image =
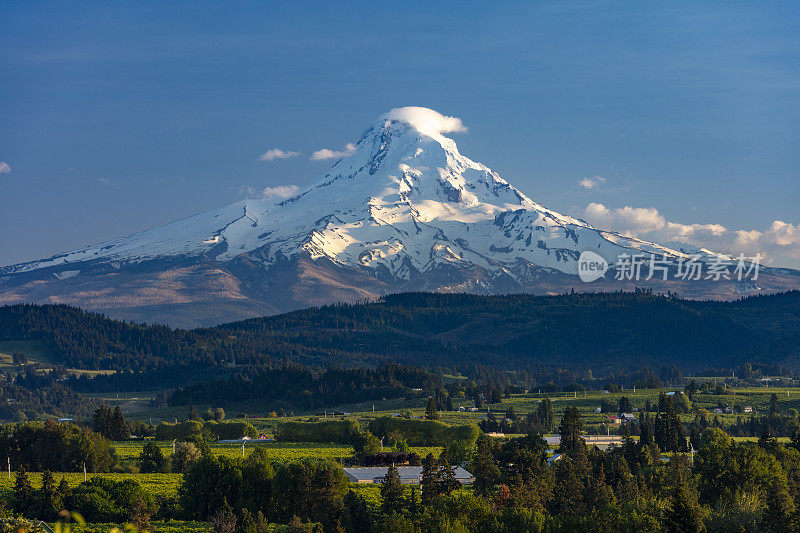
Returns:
<point x="598" y="331"/>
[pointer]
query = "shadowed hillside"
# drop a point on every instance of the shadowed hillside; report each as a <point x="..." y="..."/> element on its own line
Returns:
<point x="598" y="331"/>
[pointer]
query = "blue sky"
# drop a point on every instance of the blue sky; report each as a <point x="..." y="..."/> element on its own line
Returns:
<point x="118" y="116"/>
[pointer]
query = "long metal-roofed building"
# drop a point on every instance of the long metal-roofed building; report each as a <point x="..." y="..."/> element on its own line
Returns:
<point x="408" y="474"/>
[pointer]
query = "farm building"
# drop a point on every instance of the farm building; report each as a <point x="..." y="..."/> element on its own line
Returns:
<point x="554" y="458"/>
<point x="408" y="474"/>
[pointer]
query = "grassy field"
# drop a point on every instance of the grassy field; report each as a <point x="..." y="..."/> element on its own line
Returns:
<point x="157" y="484"/>
<point x="36" y="352"/>
<point x="167" y="485"/>
<point x="171" y="526"/>
<point x="275" y="451"/>
<point x="135" y="405"/>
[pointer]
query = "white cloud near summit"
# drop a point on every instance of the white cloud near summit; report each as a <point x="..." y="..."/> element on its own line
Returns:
<point x="779" y="244"/>
<point x="426" y="120"/>
<point x="423" y="119"/>
<point x="5" y="168"/>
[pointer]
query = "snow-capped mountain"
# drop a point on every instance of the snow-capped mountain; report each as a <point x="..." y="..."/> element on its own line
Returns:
<point x="406" y="211"/>
<point x="406" y="201"/>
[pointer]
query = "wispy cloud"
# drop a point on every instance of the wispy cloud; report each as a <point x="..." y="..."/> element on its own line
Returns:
<point x="5" y="168"/>
<point x="276" y="153"/>
<point x="327" y="153"/>
<point x="591" y="183"/>
<point x="280" y="191"/>
<point x="779" y="243"/>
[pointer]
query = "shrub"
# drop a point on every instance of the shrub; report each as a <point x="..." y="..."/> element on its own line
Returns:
<point x="425" y="432"/>
<point x="338" y="431"/>
<point x="104" y="500"/>
<point x="57" y="447"/>
<point x="179" y="431"/>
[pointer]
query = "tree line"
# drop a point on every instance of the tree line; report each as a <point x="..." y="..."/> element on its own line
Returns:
<point x="603" y="330"/>
<point x="300" y="388"/>
<point x="518" y="486"/>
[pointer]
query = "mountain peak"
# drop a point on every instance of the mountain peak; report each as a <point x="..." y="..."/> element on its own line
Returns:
<point x="406" y="201"/>
<point x="405" y="211"/>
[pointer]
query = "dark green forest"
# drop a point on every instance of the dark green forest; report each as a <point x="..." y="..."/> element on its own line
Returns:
<point x="301" y="389"/>
<point x="574" y="331"/>
<point x="343" y="353"/>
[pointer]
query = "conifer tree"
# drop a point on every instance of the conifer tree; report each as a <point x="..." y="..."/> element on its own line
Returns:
<point x="48" y="497"/>
<point x="413" y="502"/>
<point x="598" y="493"/>
<point x="683" y="514"/>
<point x="430" y="410"/>
<point x="695" y="434"/>
<point x="645" y="431"/>
<point x="23" y="492"/>
<point x="64" y="494"/>
<point x="151" y="459"/>
<point x="429" y="484"/>
<point x="100" y="420"/>
<point x="544" y="416"/>
<point x="484" y="468"/>
<point x="625" y="405"/>
<point x="571" y="432"/>
<point x="447" y="477"/>
<point x="392" y="492"/>
<point x="246" y="523"/>
<point x="568" y="492"/>
<point x="119" y="429"/>
<point x="356" y="516"/>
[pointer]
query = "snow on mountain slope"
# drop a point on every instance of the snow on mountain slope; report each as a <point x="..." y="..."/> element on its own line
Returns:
<point x="405" y="202"/>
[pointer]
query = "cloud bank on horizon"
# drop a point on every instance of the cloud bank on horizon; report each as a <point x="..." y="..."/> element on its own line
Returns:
<point x="779" y="244"/>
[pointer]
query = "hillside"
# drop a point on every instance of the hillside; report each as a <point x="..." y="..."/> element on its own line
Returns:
<point x="602" y="332"/>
